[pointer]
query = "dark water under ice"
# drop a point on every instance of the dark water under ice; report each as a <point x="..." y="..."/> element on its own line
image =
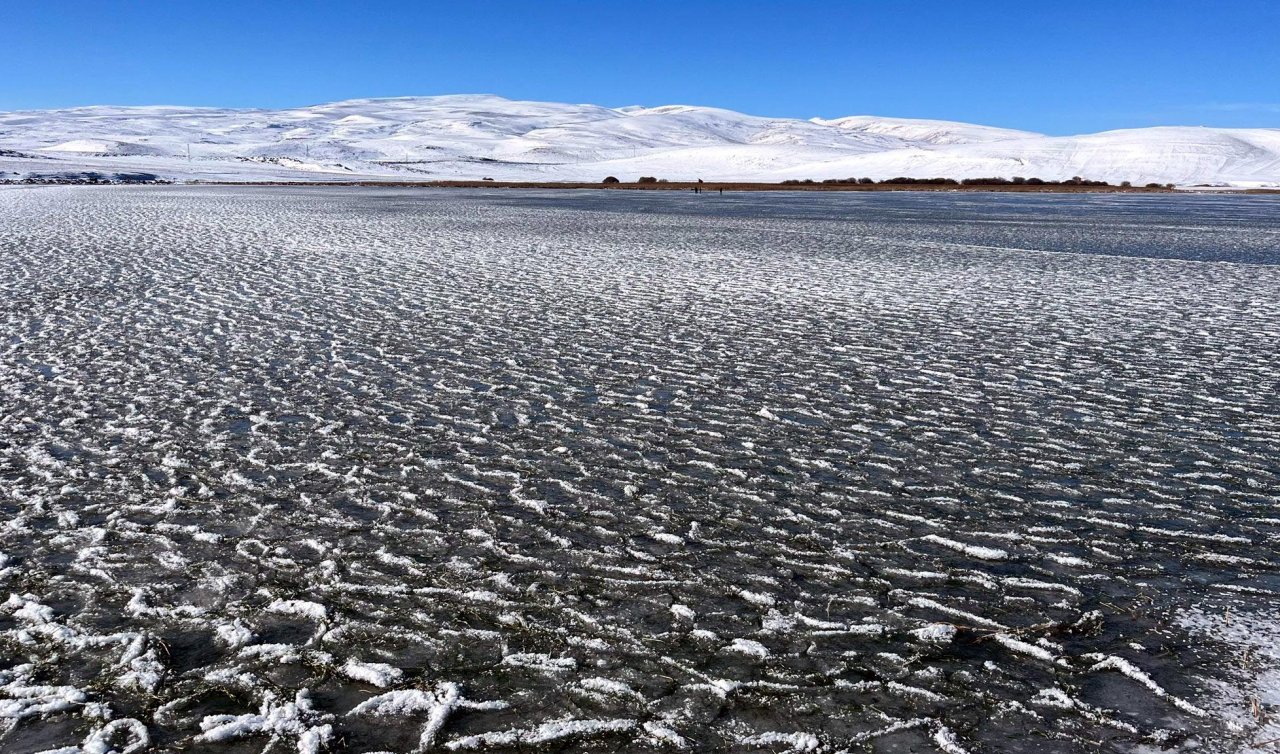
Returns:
<point x="397" y="470"/>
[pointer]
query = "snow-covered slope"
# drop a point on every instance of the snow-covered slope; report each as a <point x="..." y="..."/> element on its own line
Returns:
<point x="925" y="131"/>
<point x="1181" y="155"/>
<point x="474" y="136"/>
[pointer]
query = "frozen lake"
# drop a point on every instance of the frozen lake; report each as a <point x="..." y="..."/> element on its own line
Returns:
<point x="398" y="470"/>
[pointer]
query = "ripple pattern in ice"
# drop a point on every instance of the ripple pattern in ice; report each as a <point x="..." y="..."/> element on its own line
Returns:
<point x="364" y="470"/>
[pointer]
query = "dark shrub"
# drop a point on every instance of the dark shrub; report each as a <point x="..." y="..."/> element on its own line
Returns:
<point x="902" y="180"/>
<point x="610" y="179"/>
<point x="646" y="179"/>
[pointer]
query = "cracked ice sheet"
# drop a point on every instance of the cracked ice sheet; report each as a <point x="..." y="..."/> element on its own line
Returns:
<point x="398" y="470"/>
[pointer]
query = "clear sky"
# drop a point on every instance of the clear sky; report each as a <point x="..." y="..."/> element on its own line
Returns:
<point x="1058" y="67"/>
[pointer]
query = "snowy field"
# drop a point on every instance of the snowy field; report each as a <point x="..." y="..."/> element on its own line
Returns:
<point x="390" y="470"/>
<point x="477" y="136"/>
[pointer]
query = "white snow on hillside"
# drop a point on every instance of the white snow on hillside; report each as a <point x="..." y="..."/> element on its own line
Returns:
<point x="926" y="131"/>
<point x="476" y="136"/>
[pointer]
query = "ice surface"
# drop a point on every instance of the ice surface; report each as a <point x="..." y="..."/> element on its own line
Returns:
<point x="392" y="470"/>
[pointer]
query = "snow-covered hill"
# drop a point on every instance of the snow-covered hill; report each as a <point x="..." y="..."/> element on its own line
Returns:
<point x="476" y="136"/>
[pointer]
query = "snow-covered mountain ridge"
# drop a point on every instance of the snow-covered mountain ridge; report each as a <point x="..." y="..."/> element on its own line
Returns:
<point x="476" y="136"/>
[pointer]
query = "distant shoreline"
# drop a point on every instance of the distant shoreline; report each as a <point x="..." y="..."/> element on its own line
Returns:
<point x="715" y="187"/>
<point x="708" y="187"/>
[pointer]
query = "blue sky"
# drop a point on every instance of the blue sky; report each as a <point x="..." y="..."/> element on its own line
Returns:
<point x="1057" y="67"/>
